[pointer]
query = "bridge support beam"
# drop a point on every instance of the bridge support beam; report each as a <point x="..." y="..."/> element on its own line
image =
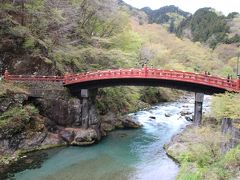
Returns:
<point x="89" y="116"/>
<point x="198" y="109"/>
<point x="85" y="107"/>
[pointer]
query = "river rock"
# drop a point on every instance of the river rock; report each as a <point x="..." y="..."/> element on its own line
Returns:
<point x="111" y="121"/>
<point x="84" y="136"/>
<point x="188" y="119"/>
<point x="152" y="117"/>
<point x="168" y="115"/>
<point x="129" y="122"/>
<point x="184" y="113"/>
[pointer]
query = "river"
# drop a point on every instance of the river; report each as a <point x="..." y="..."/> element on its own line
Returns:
<point x="123" y="154"/>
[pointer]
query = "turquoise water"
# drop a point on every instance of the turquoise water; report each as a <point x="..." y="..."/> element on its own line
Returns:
<point x="124" y="154"/>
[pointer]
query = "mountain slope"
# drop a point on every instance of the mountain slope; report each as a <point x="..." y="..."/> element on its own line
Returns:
<point x="208" y="26"/>
<point x="166" y="15"/>
<point x="169" y="52"/>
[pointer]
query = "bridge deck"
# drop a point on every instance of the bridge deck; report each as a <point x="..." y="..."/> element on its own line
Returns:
<point x="131" y="75"/>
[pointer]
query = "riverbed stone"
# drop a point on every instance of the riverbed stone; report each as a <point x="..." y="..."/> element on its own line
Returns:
<point x="185" y="113"/>
<point x="188" y="118"/>
<point x="152" y="117"/>
<point x="129" y="122"/>
<point x="111" y="121"/>
<point x="168" y="115"/>
<point x="84" y="136"/>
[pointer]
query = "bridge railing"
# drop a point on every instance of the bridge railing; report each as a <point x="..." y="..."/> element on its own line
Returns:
<point x="150" y="73"/>
<point x="8" y="76"/>
<point x="154" y="73"/>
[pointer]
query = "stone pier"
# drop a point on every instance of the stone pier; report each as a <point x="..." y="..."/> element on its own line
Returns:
<point x="198" y="109"/>
<point x="89" y="114"/>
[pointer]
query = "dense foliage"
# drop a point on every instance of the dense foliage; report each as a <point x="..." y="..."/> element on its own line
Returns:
<point x="226" y="106"/>
<point x="162" y="15"/>
<point x="17" y="120"/>
<point x="207" y="26"/>
<point x="29" y="33"/>
<point x="202" y="157"/>
<point x="55" y="37"/>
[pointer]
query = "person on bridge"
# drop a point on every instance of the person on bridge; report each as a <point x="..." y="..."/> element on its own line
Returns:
<point x="228" y="77"/>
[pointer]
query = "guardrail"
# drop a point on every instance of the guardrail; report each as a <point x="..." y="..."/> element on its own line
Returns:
<point x="152" y="73"/>
<point x="8" y="76"/>
<point x="147" y="73"/>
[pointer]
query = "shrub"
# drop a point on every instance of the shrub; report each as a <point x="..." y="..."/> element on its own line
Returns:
<point x="226" y="106"/>
<point x="19" y="113"/>
<point x="118" y="100"/>
<point x="29" y="42"/>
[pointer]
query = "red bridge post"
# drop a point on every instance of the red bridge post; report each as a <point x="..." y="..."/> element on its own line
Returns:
<point x="65" y="78"/>
<point x="6" y="75"/>
<point x="238" y="83"/>
<point x="145" y="70"/>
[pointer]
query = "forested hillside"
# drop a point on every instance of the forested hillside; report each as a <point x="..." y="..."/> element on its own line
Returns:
<point x="64" y="36"/>
<point x="210" y="27"/>
<point x="169" y="16"/>
<point x="53" y="37"/>
<point x="206" y="25"/>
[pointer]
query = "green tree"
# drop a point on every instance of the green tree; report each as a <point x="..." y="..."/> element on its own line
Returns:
<point x="171" y="28"/>
<point x="226" y="106"/>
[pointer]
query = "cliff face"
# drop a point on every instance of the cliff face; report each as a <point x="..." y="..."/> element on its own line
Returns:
<point x="29" y="123"/>
<point x="207" y="149"/>
<point x="47" y="126"/>
<point x="231" y="127"/>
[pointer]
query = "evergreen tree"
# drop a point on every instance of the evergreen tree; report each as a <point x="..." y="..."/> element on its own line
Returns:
<point x="171" y="28"/>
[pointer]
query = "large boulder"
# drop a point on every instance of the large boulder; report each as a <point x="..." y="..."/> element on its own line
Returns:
<point x="84" y="136"/>
<point x="185" y="113"/>
<point x="129" y="122"/>
<point x="111" y="121"/>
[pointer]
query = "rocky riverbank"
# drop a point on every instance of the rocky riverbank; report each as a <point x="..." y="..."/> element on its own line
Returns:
<point x="29" y="124"/>
<point x="208" y="152"/>
<point x="136" y="151"/>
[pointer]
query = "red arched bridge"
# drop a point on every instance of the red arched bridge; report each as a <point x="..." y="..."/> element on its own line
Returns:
<point x="139" y="77"/>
